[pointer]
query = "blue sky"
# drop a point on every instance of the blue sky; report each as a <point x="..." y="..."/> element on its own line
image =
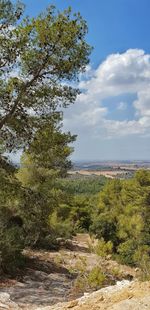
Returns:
<point x="112" y="116"/>
<point x="114" y="25"/>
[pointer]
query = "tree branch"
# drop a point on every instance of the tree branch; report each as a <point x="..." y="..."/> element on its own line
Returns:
<point x="17" y="101"/>
<point x="24" y="88"/>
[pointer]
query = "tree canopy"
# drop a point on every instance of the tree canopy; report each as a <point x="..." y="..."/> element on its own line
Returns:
<point x="39" y="57"/>
<point x="123" y="217"/>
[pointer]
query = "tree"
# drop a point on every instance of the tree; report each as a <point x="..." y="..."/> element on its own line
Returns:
<point x="39" y="57"/>
<point x="123" y="217"/>
<point x="43" y="162"/>
<point x="47" y="158"/>
<point x="105" y="219"/>
<point x="23" y="218"/>
<point x="11" y="233"/>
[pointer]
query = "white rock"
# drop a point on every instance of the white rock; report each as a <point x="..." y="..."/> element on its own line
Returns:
<point x="4" y="297"/>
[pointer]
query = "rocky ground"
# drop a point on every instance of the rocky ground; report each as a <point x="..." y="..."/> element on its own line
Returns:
<point x="123" y="296"/>
<point x="48" y="282"/>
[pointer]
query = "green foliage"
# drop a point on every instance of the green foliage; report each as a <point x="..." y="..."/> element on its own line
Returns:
<point x="36" y="204"/>
<point x="104" y="223"/>
<point x="10" y="13"/>
<point x="96" y="278"/>
<point x="11" y="245"/>
<point x="84" y="186"/>
<point x="68" y="219"/>
<point x="80" y="213"/>
<point x="74" y="207"/>
<point x="103" y="248"/>
<point x="142" y="260"/>
<point x="103" y="226"/>
<point x="78" y="201"/>
<point x="22" y="218"/>
<point x="39" y="58"/>
<point x="11" y="232"/>
<point x="44" y="161"/>
<point x="123" y="217"/>
<point x="46" y="52"/>
<point x="46" y="158"/>
<point x="126" y="251"/>
<point x="60" y="228"/>
<point x="93" y="279"/>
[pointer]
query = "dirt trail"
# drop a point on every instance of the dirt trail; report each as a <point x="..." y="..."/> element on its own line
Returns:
<point x="49" y="277"/>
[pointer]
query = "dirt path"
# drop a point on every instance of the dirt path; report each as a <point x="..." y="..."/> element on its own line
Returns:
<point x="49" y="277"/>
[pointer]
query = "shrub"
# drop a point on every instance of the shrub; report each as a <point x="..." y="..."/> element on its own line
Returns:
<point x="11" y="246"/>
<point x="60" y="228"/>
<point x="103" y="248"/>
<point x="126" y="252"/>
<point x="96" y="278"/>
<point x="142" y="260"/>
<point x="12" y="237"/>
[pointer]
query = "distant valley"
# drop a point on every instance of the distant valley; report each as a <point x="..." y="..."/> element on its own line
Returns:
<point x="109" y="169"/>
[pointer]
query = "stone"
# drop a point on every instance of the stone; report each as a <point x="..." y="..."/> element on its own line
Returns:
<point x="2" y="306"/>
<point x="4" y="297"/>
<point x="72" y="304"/>
<point x="101" y="298"/>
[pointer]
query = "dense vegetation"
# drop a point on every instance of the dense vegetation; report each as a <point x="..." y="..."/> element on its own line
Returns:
<point x="38" y="203"/>
<point x="123" y="217"/>
<point x="39" y="58"/>
<point x="82" y="185"/>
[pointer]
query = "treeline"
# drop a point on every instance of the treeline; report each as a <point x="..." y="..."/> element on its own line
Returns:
<point x="119" y="215"/>
<point x="82" y="185"/>
<point x="36" y="208"/>
<point x="123" y="217"/>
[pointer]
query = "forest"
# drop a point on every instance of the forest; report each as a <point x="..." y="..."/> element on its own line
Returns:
<point x="39" y="60"/>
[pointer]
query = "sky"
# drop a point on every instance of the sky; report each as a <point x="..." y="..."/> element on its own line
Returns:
<point x="112" y="115"/>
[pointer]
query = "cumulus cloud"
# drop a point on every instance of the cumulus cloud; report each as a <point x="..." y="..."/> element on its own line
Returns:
<point x="120" y="74"/>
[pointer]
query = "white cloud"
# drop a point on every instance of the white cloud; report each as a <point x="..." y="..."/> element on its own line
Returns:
<point x="142" y="104"/>
<point x="119" y="74"/>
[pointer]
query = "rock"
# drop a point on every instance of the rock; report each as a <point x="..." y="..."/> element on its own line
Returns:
<point x="6" y="303"/>
<point x="72" y="304"/>
<point x="86" y="294"/>
<point x="19" y="284"/>
<point x="4" y="297"/>
<point x="101" y="298"/>
<point x="47" y="285"/>
<point x="2" y="306"/>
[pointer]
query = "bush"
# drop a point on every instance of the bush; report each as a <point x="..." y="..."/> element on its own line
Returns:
<point x="126" y="252"/>
<point x="11" y="246"/>
<point x="104" y="226"/>
<point x="60" y="228"/>
<point x="103" y="248"/>
<point x="96" y="278"/>
<point x="12" y="237"/>
<point x="123" y="217"/>
<point x="85" y="280"/>
<point x="142" y="260"/>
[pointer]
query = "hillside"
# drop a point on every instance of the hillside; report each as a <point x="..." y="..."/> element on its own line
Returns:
<point x="48" y="282"/>
<point x="124" y="296"/>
